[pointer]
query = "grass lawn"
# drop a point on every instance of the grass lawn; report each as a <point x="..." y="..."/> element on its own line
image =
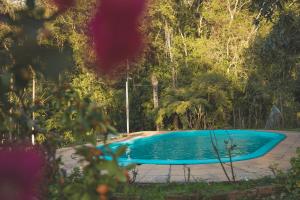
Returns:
<point x="161" y="191"/>
<point x="293" y="129"/>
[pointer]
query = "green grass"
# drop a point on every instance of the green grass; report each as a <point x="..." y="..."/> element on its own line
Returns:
<point x="160" y="191"/>
<point x="292" y="129"/>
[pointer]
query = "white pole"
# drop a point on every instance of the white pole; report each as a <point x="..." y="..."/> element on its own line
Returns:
<point x="127" y="99"/>
<point x="127" y="106"/>
<point x="33" y="101"/>
<point x="11" y="109"/>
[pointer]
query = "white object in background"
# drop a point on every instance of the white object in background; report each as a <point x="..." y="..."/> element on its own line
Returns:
<point x="32" y="139"/>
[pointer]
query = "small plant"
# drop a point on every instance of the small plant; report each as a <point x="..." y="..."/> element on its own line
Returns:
<point x="134" y="172"/>
<point x="99" y="177"/>
<point x="187" y="177"/>
<point x="229" y="147"/>
<point x="290" y="180"/>
<point x="169" y="174"/>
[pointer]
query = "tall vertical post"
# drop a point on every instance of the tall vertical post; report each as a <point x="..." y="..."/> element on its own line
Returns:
<point x="154" y="82"/>
<point x="127" y="100"/>
<point x="11" y="87"/>
<point x="127" y="106"/>
<point x="33" y="102"/>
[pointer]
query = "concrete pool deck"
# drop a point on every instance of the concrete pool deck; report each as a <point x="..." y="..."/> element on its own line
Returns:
<point x="244" y="170"/>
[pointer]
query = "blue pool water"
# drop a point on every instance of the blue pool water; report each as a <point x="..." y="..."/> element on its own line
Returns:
<point x="195" y="147"/>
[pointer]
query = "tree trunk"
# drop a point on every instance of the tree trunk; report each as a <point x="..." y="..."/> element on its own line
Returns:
<point x="281" y="110"/>
<point x="170" y="54"/>
<point x="232" y="11"/>
<point x="176" y="122"/>
<point x="233" y="115"/>
<point x="185" y="48"/>
<point x="154" y="82"/>
<point x="240" y="118"/>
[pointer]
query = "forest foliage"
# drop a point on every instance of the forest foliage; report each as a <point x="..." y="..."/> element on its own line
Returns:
<point x="218" y="63"/>
<point x="206" y="64"/>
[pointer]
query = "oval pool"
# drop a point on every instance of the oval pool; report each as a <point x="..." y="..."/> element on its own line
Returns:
<point x="196" y="147"/>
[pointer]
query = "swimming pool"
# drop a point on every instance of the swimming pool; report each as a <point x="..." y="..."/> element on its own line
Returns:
<point x="195" y="147"/>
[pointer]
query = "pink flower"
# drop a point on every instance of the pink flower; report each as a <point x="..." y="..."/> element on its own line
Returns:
<point x="114" y="32"/>
<point x="64" y="4"/>
<point x="20" y="172"/>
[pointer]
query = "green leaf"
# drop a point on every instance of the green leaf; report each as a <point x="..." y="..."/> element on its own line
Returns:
<point x="120" y="151"/>
<point x="86" y="196"/>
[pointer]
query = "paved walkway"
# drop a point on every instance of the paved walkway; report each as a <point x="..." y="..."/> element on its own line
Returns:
<point x="244" y="170"/>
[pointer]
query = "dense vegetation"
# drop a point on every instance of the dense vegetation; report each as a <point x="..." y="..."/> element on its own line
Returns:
<point x="221" y="64"/>
<point x="205" y="64"/>
<point x="217" y="64"/>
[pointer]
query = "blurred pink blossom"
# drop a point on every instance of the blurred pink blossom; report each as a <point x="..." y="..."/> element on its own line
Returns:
<point x="114" y="32"/>
<point x="20" y="172"/>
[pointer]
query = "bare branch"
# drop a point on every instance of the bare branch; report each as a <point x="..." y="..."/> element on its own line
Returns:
<point x="213" y="140"/>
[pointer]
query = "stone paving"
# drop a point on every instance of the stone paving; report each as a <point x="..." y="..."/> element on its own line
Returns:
<point x="244" y="170"/>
